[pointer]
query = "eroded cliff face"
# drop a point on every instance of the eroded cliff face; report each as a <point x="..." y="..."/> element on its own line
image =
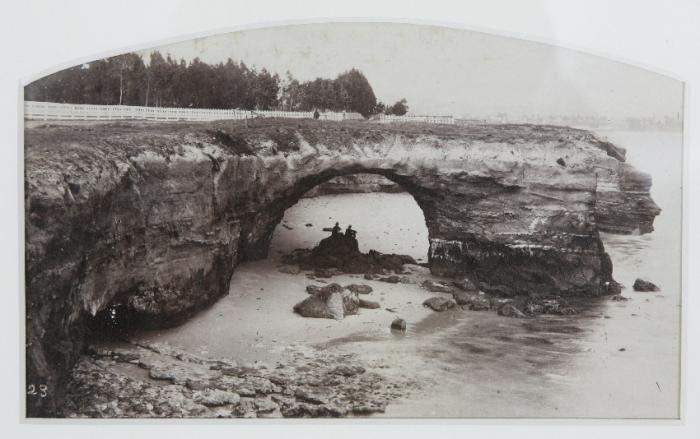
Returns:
<point x="153" y="218"/>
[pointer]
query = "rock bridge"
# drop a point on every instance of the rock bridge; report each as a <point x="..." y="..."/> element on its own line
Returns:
<point x="155" y="217"/>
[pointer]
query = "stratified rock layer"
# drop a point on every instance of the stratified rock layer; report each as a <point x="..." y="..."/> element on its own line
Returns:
<point x="151" y="219"/>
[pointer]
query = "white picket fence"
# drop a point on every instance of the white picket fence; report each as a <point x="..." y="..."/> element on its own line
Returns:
<point x="387" y="118"/>
<point x="55" y="111"/>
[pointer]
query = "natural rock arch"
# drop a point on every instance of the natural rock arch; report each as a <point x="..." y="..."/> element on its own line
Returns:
<point x="157" y="216"/>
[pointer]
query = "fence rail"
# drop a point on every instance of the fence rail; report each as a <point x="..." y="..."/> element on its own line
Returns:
<point x="55" y="111"/>
<point x="386" y="118"/>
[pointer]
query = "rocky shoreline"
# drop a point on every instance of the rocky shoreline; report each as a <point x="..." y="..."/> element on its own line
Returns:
<point x="161" y="381"/>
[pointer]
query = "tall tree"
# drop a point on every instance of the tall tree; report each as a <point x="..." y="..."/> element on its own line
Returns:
<point x="399" y="108"/>
<point x="360" y="96"/>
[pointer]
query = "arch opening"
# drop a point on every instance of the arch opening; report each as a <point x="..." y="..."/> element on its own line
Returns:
<point x="386" y="217"/>
<point x="255" y="244"/>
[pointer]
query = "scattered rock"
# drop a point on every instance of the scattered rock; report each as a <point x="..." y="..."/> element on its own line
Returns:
<point x="474" y="302"/>
<point x="197" y="384"/>
<point x="216" y="397"/>
<point x="439" y="303"/>
<point x="508" y="310"/>
<point x="368" y="409"/>
<point x="369" y="304"/>
<point x="264" y="405"/>
<point x="326" y="272"/>
<point x="359" y="289"/>
<point x="436" y="287"/>
<point x="369" y="276"/>
<point x="465" y="284"/>
<point x="561" y="162"/>
<point x="642" y="285"/>
<point x="330" y="288"/>
<point x="567" y="311"/>
<point x="289" y="269"/>
<point x="406" y="280"/>
<point x="309" y="225"/>
<point x="477" y="302"/>
<point x="348" y="371"/>
<point x="309" y="396"/>
<point x="393" y="279"/>
<point x="399" y="325"/>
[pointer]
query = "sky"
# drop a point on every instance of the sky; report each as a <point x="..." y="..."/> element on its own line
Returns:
<point x="442" y="71"/>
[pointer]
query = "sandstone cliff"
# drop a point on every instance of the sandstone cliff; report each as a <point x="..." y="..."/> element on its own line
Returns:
<point x="153" y="218"/>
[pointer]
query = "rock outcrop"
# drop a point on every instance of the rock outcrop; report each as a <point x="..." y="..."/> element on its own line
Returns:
<point x="644" y="285"/>
<point x="151" y="219"/>
<point x="342" y="253"/>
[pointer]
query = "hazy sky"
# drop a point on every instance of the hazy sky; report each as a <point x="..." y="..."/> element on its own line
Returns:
<point x="448" y="71"/>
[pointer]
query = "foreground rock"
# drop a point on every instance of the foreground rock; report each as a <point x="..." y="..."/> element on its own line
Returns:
<point x="148" y="220"/>
<point x="359" y="289"/>
<point x="474" y="302"/>
<point x="465" y="284"/>
<point x="509" y="310"/>
<point x="522" y="307"/>
<point x="323" y="385"/>
<point x="439" y="303"/>
<point x="642" y="285"/>
<point x="436" y="287"/>
<point x="329" y="303"/>
<point x="398" y="324"/>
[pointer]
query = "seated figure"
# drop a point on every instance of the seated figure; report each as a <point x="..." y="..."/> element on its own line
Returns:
<point x="335" y="231"/>
<point x="350" y="233"/>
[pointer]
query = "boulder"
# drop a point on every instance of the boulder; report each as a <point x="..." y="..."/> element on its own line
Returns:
<point x="348" y="371"/>
<point x="474" y="302"/>
<point x="359" y="289"/>
<point x="289" y="269"/>
<point x="369" y="304"/>
<point x="325" y="272"/>
<point x="465" y="284"/>
<point x="398" y="325"/>
<point x="330" y="288"/>
<point x="439" y="303"/>
<point x="436" y="287"/>
<point x="509" y="310"/>
<point x="642" y="285"/>
<point x="393" y="279"/>
<point x="216" y="397"/>
<point x="329" y="304"/>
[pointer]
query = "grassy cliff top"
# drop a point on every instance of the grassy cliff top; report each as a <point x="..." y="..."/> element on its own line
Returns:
<point x="241" y="138"/>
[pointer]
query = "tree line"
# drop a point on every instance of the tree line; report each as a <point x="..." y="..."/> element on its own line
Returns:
<point x="167" y="82"/>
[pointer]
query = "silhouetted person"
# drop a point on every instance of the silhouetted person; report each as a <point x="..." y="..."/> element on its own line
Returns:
<point x="350" y="233"/>
<point x="335" y="231"/>
<point x="316" y="114"/>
